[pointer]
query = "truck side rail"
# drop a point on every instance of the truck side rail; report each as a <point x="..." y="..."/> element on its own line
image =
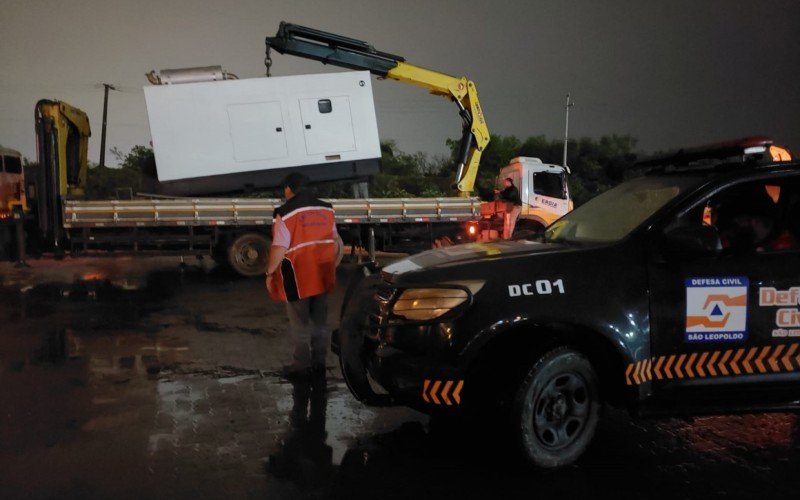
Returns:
<point x="257" y="211"/>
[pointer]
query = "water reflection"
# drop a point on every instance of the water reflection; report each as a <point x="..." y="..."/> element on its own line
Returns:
<point x="59" y="345"/>
<point x="303" y="457"/>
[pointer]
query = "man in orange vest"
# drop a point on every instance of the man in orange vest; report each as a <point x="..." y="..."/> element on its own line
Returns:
<point x="301" y="271"/>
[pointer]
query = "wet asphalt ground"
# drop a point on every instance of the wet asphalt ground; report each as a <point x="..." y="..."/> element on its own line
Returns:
<point x="136" y="378"/>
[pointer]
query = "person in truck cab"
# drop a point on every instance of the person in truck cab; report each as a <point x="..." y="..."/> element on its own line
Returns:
<point x="510" y="195"/>
<point x="747" y="220"/>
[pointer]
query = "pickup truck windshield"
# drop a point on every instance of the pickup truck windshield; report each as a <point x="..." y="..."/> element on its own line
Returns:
<point x="615" y="213"/>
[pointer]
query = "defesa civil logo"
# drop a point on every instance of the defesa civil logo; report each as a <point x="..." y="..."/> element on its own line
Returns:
<point x="716" y="309"/>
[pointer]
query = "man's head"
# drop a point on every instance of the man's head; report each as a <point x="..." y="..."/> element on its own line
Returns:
<point x="294" y="183"/>
<point x="745" y="219"/>
<point x="508" y="182"/>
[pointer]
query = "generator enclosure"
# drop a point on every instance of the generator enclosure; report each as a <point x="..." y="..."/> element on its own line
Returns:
<point x="237" y="135"/>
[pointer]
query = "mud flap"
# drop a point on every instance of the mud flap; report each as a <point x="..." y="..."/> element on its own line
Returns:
<point x="350" y="340"/>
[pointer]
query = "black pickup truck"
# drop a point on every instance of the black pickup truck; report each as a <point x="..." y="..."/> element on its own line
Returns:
<point x="676" y="293"/>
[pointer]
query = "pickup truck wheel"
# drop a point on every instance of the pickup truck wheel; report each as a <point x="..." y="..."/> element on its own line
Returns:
<point x="248" y="253"/>
<point x="557" y="408"/>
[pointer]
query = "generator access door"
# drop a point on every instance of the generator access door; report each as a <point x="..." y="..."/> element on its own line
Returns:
<point x="328" y="125"/>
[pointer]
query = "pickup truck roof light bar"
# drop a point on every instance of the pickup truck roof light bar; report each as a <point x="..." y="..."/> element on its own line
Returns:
<point x="746" y="151"/>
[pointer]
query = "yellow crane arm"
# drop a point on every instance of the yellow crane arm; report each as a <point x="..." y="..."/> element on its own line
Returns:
<point x="465" y="94"/>
<point x="356" y="54"/>
<point x="62" y="133"/>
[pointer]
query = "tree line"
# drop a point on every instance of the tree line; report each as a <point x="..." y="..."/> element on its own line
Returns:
<point x="596" y="165"/>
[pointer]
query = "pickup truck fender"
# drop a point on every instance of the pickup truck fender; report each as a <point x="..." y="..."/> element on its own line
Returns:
<point x="606" y="345"/>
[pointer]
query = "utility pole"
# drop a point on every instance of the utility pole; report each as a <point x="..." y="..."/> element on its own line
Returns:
<point x="106" y="88"/>
<point x="566" y="128"/>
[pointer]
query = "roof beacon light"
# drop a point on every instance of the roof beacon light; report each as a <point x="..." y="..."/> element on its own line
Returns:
<point x="780" y="154"/>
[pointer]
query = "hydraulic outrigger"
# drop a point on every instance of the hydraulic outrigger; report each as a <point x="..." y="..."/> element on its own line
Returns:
<point x="355" y="54"/>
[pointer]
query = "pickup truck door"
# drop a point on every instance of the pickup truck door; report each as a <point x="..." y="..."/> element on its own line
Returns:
<point x="725" y="326"/>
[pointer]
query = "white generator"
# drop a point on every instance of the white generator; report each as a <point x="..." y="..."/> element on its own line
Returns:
<point x="224" y="136"/>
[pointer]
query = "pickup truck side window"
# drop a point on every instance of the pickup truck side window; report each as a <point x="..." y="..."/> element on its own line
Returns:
<point x="758" y="216"/>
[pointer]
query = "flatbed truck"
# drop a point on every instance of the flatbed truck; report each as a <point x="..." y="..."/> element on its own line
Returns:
<point x="54" y="217"/>
<point x="51" y="217"/>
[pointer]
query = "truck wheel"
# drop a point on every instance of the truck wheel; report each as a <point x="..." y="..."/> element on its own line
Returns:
<point x="247" y="254"/>
<point x="557" y="408"/>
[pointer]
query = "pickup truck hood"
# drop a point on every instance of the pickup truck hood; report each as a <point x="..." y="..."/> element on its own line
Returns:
<point x="469" y="252"/>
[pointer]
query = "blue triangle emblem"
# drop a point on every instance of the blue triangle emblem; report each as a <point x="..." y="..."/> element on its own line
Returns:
<point x="717" y="311"/>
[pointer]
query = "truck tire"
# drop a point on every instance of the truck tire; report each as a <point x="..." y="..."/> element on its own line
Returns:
<point x="248" y="253"/>
<point x="556" y="408"/>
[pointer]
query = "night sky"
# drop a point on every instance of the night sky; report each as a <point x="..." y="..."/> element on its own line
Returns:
<point x="669" y="73"/>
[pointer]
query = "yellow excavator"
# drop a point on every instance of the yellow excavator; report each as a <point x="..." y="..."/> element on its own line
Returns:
<point x="32" y="197"/>
<point x="350" y="53"/>
<point x="62" y="134"/>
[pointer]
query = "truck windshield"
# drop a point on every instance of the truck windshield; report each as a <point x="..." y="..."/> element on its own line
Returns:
<point x="614" y="214"/>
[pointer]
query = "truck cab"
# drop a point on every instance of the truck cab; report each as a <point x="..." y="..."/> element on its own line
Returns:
<point x="12" y="183"/>
<point x="675" y="293"/>
<point x="13" y="203"/>
<point x="544" y="193"/>
<point x="543" y="189"/>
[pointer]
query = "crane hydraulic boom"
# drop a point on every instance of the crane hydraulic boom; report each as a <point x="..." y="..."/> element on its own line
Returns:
<point x="355" y="54"/>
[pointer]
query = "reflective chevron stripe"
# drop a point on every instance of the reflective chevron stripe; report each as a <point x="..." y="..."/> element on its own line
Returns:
<point x="743" y="361"/>
<point x="442" y="392"/>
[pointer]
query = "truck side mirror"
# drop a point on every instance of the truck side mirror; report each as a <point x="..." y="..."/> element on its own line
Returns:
<point x="692" y="240"/>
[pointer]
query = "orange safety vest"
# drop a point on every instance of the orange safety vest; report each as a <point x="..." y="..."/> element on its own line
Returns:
<point x="309" y="267"/>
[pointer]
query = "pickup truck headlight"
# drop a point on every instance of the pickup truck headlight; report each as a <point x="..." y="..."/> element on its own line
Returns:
<point x="428" y="303"/>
